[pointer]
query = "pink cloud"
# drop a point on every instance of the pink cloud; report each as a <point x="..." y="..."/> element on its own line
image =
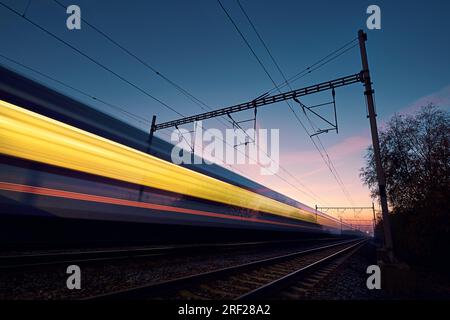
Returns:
<point x="440" y="98"/>
<point x="343" y="149"/>
<point x="349" y="146"/>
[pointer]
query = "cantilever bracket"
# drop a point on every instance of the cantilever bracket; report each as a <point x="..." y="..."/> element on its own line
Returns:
<point x="332" y="126"/>
<point x="237" y="124"/>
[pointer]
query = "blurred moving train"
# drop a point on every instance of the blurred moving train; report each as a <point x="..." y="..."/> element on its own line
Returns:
<point x="72" y="174"/>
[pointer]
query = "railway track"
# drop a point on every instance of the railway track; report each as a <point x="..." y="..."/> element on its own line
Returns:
<point x="301" y="282"/>
<point x="271" y="277"/>
<point x="16" y="261"/>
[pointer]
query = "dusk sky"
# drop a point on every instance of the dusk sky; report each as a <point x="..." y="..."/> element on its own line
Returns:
<point x="194" y="44"/>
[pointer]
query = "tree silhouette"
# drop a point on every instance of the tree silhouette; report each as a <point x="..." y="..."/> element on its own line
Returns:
<point x="416" y="158"/>
<point x="415" y="154"/>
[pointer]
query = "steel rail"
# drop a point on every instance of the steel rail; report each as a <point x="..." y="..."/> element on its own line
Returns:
<point x="283" y="282"/>
<point x="178" y="283"/>
<point x="56" y="258"/>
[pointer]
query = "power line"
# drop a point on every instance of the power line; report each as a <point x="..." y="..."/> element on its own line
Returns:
<point x="327" y="160"/>
<point x="126" y="113"/>
<point x="317" y="65"/>
<point x="339" y="180"/>
<point x="109" y="70"/>
<point x="328" y="163"/>
<point x="92" y="60"/>
<point x="295" y="78"/>
<point x="140" y="60"/>
<point x="26" y="8"/>
<point x="123" y="111"/>
<point x="199" y="102"/>
<point x="260" y="63"/>
<point x="308" y="193"/>
<point x="190" y="95"/>
<point x="129" y="114"/>
<point x="262" y="41"/>
<point x="246" y="42"/>
<point x="182" y="90"/>
<point x="222" y="163"/>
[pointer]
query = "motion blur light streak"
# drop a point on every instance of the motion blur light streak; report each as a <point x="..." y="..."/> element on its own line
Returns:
<point x="122" y="202"/>
<point x="28" y="135"/>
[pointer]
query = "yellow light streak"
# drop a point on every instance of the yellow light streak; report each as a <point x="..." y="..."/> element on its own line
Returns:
<point x="28" y="135"/>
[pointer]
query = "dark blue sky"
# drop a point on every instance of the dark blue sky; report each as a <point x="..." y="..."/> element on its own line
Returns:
<point x="193" y="44"/>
